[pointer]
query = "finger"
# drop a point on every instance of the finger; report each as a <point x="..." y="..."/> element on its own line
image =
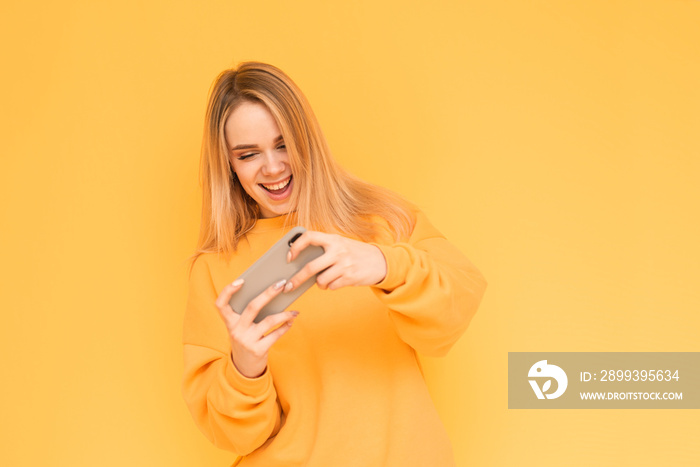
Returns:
<point x="272" y="321"/>
<point x="256" y="304"/>
<point x="336" y="281"/>
<point x="310" y="237"/>
<point x="332" y="278"/>
<point x="222" y="301"/>
<point x="267" y="341"/>
<point x="227" y="292"/>
<point x="311" y="268"/>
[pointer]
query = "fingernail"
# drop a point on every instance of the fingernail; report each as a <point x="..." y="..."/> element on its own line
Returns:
<point x="295" y="313"/>
<point x="279" y="285"/>
<point x="289" y="286"/>
<point x="237" y="282"/>
<point x="289" y="255"/>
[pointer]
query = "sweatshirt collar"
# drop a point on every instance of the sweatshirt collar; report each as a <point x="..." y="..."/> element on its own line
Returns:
<point x="275" y="223"/>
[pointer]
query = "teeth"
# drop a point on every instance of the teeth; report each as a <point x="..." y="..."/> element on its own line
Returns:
<point x="279" y="186"/>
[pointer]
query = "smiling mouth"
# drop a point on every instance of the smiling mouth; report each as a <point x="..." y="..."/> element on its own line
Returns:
<point x="277" y="187"/>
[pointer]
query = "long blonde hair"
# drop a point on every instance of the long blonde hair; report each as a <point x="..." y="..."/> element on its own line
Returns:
<point x="346" y="204"/>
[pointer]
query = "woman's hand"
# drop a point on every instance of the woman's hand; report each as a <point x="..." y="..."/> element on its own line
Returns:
<point x="250" y="341"/>
<point x="346" y="262"/>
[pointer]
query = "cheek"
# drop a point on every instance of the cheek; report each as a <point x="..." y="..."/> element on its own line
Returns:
<point x="238" y="168"/>
<point x="245" y="175"/>
<point x="233" y="164"/>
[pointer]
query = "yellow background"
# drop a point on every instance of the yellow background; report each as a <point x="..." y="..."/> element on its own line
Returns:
<point x="556" y="142"/>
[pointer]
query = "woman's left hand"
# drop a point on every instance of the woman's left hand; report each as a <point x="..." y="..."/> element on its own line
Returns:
<point x="345" y="262"/>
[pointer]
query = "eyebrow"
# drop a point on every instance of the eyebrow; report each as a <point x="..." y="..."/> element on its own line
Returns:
<point x="252" y="146"/>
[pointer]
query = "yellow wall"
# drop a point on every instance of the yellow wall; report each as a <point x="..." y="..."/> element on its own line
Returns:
<point x="556" y="142"/>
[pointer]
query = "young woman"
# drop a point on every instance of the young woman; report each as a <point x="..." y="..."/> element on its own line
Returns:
<point x="337" y="380"/>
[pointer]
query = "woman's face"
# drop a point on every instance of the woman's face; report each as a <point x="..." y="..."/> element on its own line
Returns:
<point x="259" y="158"/>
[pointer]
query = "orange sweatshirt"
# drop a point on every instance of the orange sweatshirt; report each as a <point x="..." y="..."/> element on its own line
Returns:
<point x="343" y="386"/>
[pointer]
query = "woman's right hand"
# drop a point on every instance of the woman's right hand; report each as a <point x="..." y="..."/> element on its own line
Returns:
<point x="250" y="341"/>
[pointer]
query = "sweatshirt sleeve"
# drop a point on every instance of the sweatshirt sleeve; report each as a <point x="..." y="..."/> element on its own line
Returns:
<point x="234" y="412"/>
<point x="431" y="289"/>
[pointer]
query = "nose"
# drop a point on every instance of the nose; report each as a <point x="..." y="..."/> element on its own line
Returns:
<point x="274" y="164"/>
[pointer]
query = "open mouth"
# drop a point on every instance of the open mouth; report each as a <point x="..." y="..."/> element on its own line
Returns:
<point x="279" y="189"/>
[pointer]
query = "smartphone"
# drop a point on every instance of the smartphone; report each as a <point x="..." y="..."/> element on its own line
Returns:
<point x="272" y="267"/>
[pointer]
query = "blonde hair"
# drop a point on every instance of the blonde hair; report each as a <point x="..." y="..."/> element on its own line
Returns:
<point x="228" y="213"/>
